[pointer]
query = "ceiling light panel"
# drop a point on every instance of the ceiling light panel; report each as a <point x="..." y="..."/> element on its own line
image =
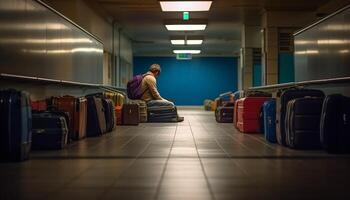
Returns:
<point x="187" y="51"/>
<point x="181" y="6"/>
<point x="186" y="27"/>
<point x="178" y="42"/>
<point x="194" y="42"/>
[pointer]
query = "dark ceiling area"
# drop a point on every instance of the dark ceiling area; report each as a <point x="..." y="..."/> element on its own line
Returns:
<point x="143" y="22"/>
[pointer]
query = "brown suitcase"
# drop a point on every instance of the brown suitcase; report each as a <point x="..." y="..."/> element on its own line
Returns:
<point x="131" y="114"/>
<point x="77" y="109"/>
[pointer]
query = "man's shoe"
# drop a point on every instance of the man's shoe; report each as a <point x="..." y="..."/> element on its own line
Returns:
<point x="180" y="119"/>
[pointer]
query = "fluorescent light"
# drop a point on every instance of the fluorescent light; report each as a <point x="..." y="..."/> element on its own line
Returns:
<point x="178" y="42"/>
<point x="187" y="51"/>
<point x="186" y="27"/>
<point x="181" y="6"/>
<point x="194" y="42"/>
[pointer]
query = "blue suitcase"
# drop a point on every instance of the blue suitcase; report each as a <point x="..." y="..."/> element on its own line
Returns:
<point x="15" y="125"/>
<point x="269" y="112"/>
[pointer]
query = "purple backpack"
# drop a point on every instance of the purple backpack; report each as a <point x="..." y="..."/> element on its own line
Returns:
<point x="134" y="89"/>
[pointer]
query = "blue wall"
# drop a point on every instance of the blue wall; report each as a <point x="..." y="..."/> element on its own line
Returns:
<point x="286" y="67"/>
<point x="190" y="82"/>
<point x="257" y="75"/>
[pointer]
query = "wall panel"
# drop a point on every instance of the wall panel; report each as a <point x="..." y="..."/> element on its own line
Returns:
<point x="36" y="41"/>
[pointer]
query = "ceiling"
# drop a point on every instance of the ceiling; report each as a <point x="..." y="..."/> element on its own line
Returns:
<point x="142" y="21"/>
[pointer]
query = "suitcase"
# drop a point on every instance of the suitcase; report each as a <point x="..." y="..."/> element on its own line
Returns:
<point x="224" y="114"/>
<point x="109" y="111"/>
<point x="142" y="109"/>
<point x="162" y="114"/>
<point x="130" y="114"/>
<point x="50" y="131"/>
<point x="269" y="112"/>
<point x="15" y="125"/>
<point x="283" y="97"/>
<point x="118" y="115"/>
<point x="261" y="120"/>
<point x="302" y="123"/>
<point x="77" y="109"/>
<point x="208" y="105"/>
<point x="235" y="115"/>
<point x="248" y="113"/>
<point x="335" y="124"/>
<point x="40" y="105"/>
<point x="96" y="122"/>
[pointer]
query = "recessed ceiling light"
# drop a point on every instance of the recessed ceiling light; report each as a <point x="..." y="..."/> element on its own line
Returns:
<point x="187" y="51"/>
<point x="194" y="42"/>
<point x="178" y="42"/>
<point x="180" y="6"/>
<point x="186" y="27"/>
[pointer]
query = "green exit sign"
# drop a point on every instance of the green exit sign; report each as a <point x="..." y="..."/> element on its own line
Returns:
<point x="184" y="56"/>
<point x="186" y="16"/>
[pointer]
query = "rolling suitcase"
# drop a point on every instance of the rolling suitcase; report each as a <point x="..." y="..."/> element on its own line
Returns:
<point x="50" y="131"/>
<point x="283" y="97"/>
<point x="109" y="111"/>
<point x="208" y="105"/>
<point x="248" y="113"/>
<point x="142" y="109"/>
<point x="235" y="114"/>
<point x="224" y="114"/>
<point x="302" y="123"/>
<point x="162" y="114"/>
<point x="269" y="112"/>
<point x="40" y="105"/>
<point x="335" y="124"/>
<point x="77" y="109"/>
<point x="130" y="114"/>
<point x="118" y="115"/>
<point x="96" y="122"/>
<point x="15" y="125"/>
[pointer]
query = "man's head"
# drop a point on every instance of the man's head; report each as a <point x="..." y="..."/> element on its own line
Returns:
<point x="155" y="69"/>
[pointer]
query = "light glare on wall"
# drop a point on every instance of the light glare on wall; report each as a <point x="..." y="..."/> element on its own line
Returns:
<point x="186" y="27"/>
<point x="187" y="51"/>
<point x="181" y="6"/>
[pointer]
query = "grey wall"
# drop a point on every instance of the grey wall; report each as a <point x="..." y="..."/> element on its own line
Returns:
<point x="323" y="51"/>
<point x="35" y="41"/>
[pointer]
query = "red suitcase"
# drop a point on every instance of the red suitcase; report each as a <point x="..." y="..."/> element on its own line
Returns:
<point x="39" y="105"/>
<point x="248" y="113"/>
<point x="118" y="115"/>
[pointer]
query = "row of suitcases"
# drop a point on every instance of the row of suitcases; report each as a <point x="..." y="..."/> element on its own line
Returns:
<point x="226" y="106"/>
<point x="298" y="118"/>
<point x="51" y="123"/>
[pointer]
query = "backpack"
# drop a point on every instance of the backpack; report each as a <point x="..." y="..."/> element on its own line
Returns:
<point x="134" y="90"/>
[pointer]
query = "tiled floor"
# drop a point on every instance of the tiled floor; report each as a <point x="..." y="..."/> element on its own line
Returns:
<point x="196" y="159"/>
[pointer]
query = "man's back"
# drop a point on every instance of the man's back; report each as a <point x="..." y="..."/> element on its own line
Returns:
<point x="149" y="86"/>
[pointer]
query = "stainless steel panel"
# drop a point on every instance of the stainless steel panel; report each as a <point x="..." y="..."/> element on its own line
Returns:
<point x="36" y="41"/>
<point x="323" y="50"/>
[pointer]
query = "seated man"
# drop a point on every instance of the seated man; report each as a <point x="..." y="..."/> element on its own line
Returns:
<point x="151" y="94"/>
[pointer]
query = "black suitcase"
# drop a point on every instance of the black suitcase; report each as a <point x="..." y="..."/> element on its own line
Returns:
<point x="50" y="131"/>
<point x="15" y="125"/>
<point x="162" y="114"/>
<point x="335" y="124"/>
<point x="96" y="121"/>
<point x="302" y="123"/>
<point x="224" y="114"/>
<point x="109" y="114"/>
<point x="283" y="97"/>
